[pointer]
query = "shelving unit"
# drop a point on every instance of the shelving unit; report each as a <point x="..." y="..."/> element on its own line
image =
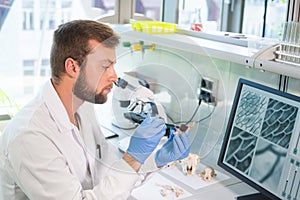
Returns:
<point x="263" y="60"/>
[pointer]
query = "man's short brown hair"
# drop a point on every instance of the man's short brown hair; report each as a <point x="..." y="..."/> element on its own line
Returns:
<point x="71" y="40"/>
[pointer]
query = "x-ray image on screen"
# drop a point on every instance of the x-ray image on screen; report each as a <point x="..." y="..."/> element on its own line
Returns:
<point x="251" y="111"/>
<point x="259" y="143"/>
<point x="268" y="164"/>
<point x="241" y="150"/>
<point x="279" y="123"/>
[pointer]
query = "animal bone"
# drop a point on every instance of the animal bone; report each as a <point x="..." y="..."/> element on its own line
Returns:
<point x="208" y="174"/>
<point x="166" y="188"/>
<point x="189" y="164"/>
<point x="164" y="192"/>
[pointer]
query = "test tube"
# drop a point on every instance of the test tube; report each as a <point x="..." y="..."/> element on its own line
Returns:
<point x="293" y="39"/>
<point x="297" y="52"/>
<point x="290" y="34"/>
<point x="285" y="40"/>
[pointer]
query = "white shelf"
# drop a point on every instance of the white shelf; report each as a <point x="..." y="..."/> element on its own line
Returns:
<point x="229" y="52"/>
<point x="278" y="68"/>
<point x="191" y="44"/>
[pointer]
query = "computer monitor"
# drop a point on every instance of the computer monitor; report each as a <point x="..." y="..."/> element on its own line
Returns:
<point x="261" y="144"/>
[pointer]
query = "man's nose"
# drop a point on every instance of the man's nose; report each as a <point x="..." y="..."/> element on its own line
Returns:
<point x="113" y="75"/>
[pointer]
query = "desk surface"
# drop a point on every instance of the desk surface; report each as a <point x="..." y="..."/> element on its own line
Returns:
<point x="227" y="189"/>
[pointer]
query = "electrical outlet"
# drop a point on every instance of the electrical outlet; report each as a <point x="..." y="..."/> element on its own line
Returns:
<point x="208" y="90"/>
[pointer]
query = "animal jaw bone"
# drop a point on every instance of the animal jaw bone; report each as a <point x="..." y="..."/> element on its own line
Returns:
<point x="190" y="163"/>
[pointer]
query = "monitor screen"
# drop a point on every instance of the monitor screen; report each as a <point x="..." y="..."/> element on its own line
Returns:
<point x="261" y="145"/>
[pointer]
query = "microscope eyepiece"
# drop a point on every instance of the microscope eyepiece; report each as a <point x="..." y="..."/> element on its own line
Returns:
<point x="121" y="83"/>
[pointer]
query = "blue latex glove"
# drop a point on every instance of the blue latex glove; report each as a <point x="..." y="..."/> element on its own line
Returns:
<point x="177" y="147"/>
<point x="146" y="137"/>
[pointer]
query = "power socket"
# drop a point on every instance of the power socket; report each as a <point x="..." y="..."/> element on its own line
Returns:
<point x="208" y="90"/>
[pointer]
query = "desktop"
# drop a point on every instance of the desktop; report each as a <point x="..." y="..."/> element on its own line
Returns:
<point x="261" y="144"/>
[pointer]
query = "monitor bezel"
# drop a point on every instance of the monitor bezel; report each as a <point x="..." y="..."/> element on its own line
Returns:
<point x="229" y="127"/>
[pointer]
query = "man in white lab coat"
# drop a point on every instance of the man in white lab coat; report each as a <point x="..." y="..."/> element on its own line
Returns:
<point x="54" y="149"/>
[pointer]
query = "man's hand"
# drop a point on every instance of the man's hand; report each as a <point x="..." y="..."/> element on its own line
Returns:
<point x="146" y="137"/>
<point x="177" y="147"/>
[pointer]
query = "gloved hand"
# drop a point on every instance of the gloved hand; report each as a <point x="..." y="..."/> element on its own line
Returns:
<point x="177" y="147"/>
<point x="146" y="137"/>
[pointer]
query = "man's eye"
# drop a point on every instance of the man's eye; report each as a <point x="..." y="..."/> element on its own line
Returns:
<point x="105" y="67"/>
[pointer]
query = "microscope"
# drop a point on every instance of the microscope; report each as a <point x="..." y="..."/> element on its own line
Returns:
<point x="134" y="101"/>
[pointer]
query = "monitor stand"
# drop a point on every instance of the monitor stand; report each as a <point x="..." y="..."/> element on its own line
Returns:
<point x="256" y="196"/>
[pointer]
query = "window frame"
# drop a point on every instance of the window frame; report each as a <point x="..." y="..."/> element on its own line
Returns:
<point x="123" y="13"/>
<point x="231" y="19"/>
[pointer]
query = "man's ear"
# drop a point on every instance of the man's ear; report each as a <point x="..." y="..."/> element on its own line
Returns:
<point x="72" y="68"/>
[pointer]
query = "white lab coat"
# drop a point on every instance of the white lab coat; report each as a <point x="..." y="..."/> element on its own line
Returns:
<point x="44" y="156"/>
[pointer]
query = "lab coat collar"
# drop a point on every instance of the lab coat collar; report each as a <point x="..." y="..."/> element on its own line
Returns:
<point x="56" y="108"/>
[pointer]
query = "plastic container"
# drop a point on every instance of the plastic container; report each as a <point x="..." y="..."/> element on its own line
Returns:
<point x="153" y="27"/>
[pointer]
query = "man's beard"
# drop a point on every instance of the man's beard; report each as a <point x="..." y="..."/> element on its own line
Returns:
<point x="82" y="91"/>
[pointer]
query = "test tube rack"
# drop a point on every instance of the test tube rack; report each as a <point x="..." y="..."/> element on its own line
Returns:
<point x="289" y="48"/>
